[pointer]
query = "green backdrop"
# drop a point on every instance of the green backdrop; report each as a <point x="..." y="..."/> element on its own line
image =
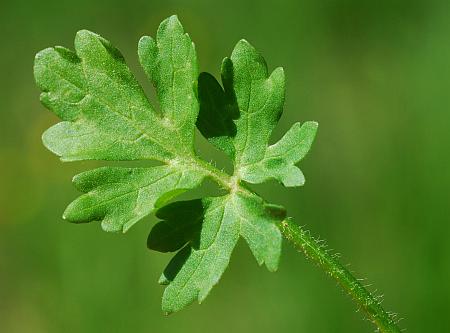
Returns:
<point x="374" y="74"/>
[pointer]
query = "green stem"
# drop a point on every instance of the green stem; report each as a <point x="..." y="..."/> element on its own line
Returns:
<point x="314" y="250"/>
<point x="223" y="179"/>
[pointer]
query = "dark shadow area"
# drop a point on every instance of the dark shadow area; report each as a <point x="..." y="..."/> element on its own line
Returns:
<point x="175" y="265"/>
<point x="180" y="228"/>
<point x="218" y="109"/>
<point x="181" y="223"/>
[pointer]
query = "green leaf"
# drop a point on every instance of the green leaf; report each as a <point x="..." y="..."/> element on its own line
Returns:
<point x="120" y="197"/>
<point x="107" y="116"/>
<point x="258" y="228"/>
<point x="205" y="260"/>
<point x="240" y="118"/>
<point x="280" y="158"/>
<point x="105" y="111"/>
<point x="197" y="267"/>
<point x="170" y="63"/>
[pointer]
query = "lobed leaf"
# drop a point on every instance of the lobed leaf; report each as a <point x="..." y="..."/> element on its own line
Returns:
<point x="215" y="225"/>
<point x="258" y="228"/>
<point x="240" y="118"/>
<point x="170" y="62"/>
<point x="107" y="116"/>
<point x="120" y="197"/>
<point x="280" y="158"/>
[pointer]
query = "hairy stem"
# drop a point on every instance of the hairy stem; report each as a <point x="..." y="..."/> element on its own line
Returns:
<point x="317" y="252"/>
<point x="314" y="250"/>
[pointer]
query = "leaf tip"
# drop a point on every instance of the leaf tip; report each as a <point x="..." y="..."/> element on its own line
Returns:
<point x="84" y="33"/>
<point x="168" y="307"/>
<point x="39" y="65"/>
<point x="294" y="177"/>
<point x="47" y="139"/>
<point x="42" y="53"/>
<point x="163" y="280"/>
<point x="312" y="124"/>
<point x="243" y="42"/>
<point x="272" y="268"/>
<point x="171" y="23"/>
<point x="278" y="79"/>
<point x="110" y="227"/>
<point x="85" y="39"/>
<point x="144" y="41"/>
<point x="244" y="45"/>
<point x="68" y="212"/>
<point x="201" y="298"/>
<point x="173" y="18"/>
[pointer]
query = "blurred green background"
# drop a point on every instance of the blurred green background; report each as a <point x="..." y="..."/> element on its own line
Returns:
<point x="374" y="74"/>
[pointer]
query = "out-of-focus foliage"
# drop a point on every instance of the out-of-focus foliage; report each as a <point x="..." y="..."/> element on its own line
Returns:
<point x="374" y="74"/>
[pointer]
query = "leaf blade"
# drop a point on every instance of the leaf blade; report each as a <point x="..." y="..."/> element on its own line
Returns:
<point x="170" y="62"/>
<point x="120" y="197"/>
<point x="203" y="266"/>
<point x="259" y="230"/>
<point x="280" y="158"/>
<point x="101" y="102"/>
